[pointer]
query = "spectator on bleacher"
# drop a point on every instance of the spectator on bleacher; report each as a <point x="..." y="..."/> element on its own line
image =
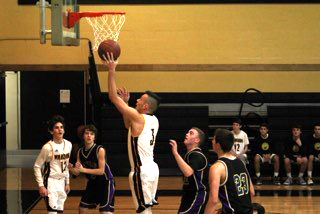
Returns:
<point x="264" y="152"/>
<point x="295" y="152"/>
<point x="241" y="141"/>
<point x="313" y="150"/>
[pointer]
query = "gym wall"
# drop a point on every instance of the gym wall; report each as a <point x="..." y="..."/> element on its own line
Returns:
<point x="190" y="35"/>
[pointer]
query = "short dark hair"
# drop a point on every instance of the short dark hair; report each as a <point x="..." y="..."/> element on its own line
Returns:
<point x="264" y="125"/>
<point x="201" y="135"/>
<point x="237" y="120"/>
<point x="153" y="101"/>
<point x="91" y="128"/>
<point x="296" y="125"/>
<point x="225" y="138"/>
<point x="316" y="124"/>
<point x="55" y="119"/>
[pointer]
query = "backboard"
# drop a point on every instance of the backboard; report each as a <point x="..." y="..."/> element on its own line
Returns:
<point x="65" y="17"/>
<point x="61" y="34"/>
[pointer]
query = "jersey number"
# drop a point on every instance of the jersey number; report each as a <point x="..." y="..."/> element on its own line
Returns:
<point x="152" y="140"/>
<point x="236" y="147"/>
<point x="242" y="183"/>
<point x="63" y="165"/>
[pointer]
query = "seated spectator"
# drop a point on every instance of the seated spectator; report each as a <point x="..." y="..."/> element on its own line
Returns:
<point x="241" y="141"/>
<point x="295" y="151"/>
<point x="264" y="152"/>
<point x="313" y="151"/>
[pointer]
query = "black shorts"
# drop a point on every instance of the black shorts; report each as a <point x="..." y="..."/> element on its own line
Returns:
<point x="316" y="156"/>
<point x="294" y="159"/>
<point x="193" y="202"/>
<point x="99" y="192"/>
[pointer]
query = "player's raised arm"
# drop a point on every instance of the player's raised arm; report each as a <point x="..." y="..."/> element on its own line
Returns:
<point x="129" y="113"/>
<point x="183" y="166"/>
<point x="124" y="94"/>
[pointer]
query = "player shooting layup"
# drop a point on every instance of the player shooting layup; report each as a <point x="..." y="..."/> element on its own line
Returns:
<point x="143" y="128"/>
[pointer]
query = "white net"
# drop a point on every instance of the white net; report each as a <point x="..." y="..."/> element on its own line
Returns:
<point x="106" y="27"/>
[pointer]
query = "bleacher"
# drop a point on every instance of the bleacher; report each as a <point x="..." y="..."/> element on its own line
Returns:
<point x="281" y="119"/>
<point x="179" y="114"/>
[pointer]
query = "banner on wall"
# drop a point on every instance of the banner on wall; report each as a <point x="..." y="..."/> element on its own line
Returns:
<point x="91" y="2"/>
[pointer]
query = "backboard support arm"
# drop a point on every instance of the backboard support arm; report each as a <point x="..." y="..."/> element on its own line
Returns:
<point x="60" y="35"/>
<point x="43" y="4"/>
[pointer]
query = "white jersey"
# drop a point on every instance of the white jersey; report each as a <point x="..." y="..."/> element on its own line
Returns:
<point x="240" y="141"/>
<point x="140" y="149"/>
<point x="56" y="159"/>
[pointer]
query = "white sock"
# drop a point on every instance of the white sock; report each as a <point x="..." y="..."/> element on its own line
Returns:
<point x="301" y="174"/>
<point x="276" y="174"/>
<point x="258" y="174"/>
<point x="289" y="175"/>
<point x="310" y="174"/>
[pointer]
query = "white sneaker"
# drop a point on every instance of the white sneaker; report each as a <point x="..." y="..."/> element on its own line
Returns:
<point x="310" y="181"/>
<point x="302" y="181"/>
<point x="288" y="181"/>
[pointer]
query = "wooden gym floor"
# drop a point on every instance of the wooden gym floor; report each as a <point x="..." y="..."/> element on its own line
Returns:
<point x="18" y="194"/>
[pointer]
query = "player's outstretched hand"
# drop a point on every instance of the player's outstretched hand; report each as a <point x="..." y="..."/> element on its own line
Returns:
<point x="110" y="62"/>
<point x="123" y="94"/>
<point x="174" y="147"/>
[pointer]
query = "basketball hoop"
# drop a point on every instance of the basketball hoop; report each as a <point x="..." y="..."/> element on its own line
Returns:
<point x="105" y="24"/>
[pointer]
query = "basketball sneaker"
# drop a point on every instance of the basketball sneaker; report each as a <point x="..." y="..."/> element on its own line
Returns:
<point x="302" y="181"/>
<point x="276" y="181"/>
<point x="288" y="181"/>
<point x="310" y="181"/>
<point x="155" y="202"/>
<point x="259" y="181"/>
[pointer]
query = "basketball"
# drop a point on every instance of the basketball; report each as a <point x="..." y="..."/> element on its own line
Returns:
<point x="111" y="47"/>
